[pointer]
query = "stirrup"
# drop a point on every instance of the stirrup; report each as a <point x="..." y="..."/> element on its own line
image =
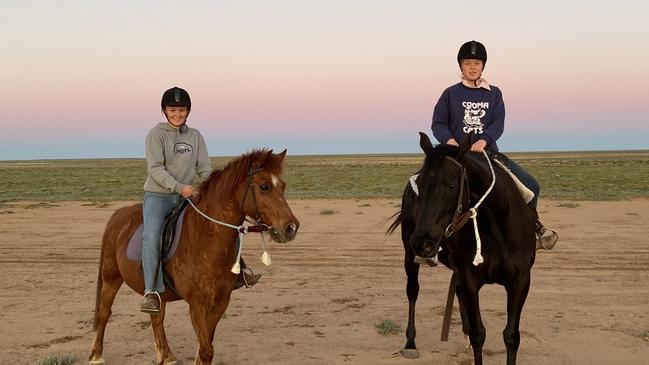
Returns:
<point x="432" y="261"/>
<point x="144" y="297"/>
<point x="245" y="280"/>
<point x="552" y="238"/>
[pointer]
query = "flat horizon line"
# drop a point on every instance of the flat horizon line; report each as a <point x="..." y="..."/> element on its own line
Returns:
<point x="614" y="151"/>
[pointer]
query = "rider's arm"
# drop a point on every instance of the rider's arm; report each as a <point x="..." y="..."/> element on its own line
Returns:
<point x="442" y="119"/>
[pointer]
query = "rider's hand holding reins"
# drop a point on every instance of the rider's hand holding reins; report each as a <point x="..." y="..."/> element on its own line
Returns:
<point x="187" y="191"/>
<point x="479" y="145"/>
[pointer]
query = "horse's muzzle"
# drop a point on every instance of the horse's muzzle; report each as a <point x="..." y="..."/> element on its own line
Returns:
<point x="424" y="247"/>
<point x="286" y="234"/>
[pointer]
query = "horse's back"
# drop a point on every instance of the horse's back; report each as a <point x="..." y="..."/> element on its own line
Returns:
<point x="119" y="229"/>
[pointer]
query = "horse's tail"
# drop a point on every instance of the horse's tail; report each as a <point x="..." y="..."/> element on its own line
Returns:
<point x="100" y="282"/>
<point x="398" y="218"/>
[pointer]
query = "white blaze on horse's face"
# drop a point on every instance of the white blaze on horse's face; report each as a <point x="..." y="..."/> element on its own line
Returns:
<point x="274" y="179"/>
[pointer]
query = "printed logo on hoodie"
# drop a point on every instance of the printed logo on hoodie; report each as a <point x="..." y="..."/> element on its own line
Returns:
<point x="473" y="113"/>
<point x="182" y="148"/>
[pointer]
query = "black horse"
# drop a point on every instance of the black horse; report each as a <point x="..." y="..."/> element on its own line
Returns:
<point x="451" y="181"/>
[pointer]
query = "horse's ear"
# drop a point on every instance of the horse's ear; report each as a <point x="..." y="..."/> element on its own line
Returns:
<point x="465" y="145"/>
<point x="282" y="154"/>
<point x="266" y="156"/>
<point x="424" y="143"/>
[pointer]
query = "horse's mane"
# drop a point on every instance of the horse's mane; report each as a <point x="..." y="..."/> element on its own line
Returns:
<point x="221" y="184"/>
<point x="437" y="153"/>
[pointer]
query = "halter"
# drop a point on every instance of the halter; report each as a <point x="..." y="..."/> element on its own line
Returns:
<point x="259" y="227"/>
<point x="460" y="219"/>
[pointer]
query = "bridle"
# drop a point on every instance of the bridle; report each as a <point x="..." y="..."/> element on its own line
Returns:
<point x="460" y="218"/>
<point x="258" y="227"/>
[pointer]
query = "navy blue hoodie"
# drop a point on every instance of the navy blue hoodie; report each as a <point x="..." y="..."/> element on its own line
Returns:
<point x="461" y="110"/>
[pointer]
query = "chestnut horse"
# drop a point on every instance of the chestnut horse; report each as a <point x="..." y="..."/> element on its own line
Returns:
<point x="250" y="185"/>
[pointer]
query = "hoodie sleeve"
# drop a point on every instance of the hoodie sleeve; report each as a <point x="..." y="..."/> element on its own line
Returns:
<point x="497" y="125"/>
<point x="203" y="164"/>
<point x="441" y="119"/>
<point x="155" y="163"/>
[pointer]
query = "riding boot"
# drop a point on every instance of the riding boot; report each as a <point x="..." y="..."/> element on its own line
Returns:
<point x="246" y="277"/>
<point x="545" y="238"/>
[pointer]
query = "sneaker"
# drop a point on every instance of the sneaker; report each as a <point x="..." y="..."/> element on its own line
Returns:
<point x="546" y="239"/>
<point x="150" y="303"/>
<point x="246" y="278"/>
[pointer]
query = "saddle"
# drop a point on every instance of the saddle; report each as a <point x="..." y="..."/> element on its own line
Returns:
<point x="167" y="240"/>
<point x="169" y="227"/>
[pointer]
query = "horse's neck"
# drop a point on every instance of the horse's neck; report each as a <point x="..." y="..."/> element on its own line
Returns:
<point x="480" y="178"/>
<point x="224" y="211"/>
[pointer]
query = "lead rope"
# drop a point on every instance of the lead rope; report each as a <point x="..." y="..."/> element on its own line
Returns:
<point x="478" y="259"/>
<point x="243" y="230"/>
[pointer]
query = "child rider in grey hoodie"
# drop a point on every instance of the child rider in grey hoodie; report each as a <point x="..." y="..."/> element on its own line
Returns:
<point x="175" y="154"/>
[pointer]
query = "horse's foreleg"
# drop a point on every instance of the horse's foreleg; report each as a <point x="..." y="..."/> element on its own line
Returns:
<point x="163" y="353"/>
<point x="109" y="289"/>
<point x="516" y="295"/>
<point x="205" y="317"/>
<point x="469" y="299"/>
<point x="463" y="316"/>
<point x="412" y="290"/>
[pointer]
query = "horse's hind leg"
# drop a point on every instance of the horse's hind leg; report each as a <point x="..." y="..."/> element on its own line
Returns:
<point x="109" y="288"/>
<point x="516" y="296"/>
<point x="163" y="353"/>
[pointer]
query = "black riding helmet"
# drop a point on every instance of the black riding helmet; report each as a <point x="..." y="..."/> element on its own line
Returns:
<point x="472" y="50"/>
<point x="176" y="97"/>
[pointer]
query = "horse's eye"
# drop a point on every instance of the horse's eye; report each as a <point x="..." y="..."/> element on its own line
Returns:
<point x="264" y="187"/>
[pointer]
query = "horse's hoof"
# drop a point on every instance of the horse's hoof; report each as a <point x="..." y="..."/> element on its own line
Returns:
<point x="410" y="353"/>
<point x="172" y="362"/>
<point x="96" y="361"/>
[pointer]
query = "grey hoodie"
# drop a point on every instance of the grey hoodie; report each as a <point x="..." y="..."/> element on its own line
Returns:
<point x="174" y="159"/>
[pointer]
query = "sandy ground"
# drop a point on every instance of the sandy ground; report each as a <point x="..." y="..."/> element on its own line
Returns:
<point x="320" y="300"/>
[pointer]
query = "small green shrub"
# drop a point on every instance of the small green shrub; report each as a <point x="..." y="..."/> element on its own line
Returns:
<point x="387" y="327"/>
<point x="58" y="360"/>
<point x="327" y="212"/>
<point x="567" y="205"/>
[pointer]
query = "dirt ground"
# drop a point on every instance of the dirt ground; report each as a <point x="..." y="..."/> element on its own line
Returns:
<point x="319" y="301"/>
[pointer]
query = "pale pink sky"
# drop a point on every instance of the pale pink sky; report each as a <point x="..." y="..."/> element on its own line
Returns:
<point x="83" y="79"/>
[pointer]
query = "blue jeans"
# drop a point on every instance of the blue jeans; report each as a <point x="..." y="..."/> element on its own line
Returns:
<point x="527" y="180"/>
<point x="155" y="208"/>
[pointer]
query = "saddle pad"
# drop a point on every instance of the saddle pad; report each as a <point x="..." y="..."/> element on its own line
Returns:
<point x="526" y="193"/>
<point x="134" y="250"/>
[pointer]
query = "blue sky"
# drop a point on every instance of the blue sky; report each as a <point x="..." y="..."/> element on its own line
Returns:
<point x="83" y="78"/>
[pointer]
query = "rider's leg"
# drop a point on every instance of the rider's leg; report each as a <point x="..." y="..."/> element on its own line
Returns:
<point x="545" y="238"/>
<point x="155" y="207"/>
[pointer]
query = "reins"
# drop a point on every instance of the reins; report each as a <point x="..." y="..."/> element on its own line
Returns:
<point x="460" y="219"/>
<point x="259" y="227"/>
